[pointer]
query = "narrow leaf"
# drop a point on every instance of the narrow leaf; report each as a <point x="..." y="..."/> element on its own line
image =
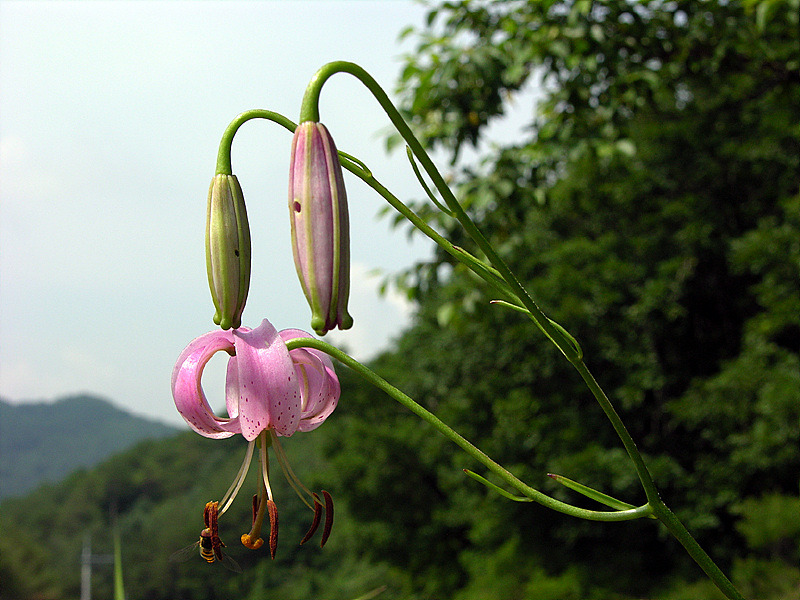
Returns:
<point x="497" y="489"/>
<point x="414" y="166"/>
<point x="591" y="493"/>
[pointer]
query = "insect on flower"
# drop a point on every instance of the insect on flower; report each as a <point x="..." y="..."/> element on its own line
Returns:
<point x="209" y="543"/>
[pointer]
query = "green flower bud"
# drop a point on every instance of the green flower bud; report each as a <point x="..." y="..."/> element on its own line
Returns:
<point x="227" y="250"/>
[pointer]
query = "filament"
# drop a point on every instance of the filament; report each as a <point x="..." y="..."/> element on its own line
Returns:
<point x="290" y="475"/>
<point x="227" y="499"/>
<point x="264" y="459"/>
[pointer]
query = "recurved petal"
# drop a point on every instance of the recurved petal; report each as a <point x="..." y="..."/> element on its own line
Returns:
<point x="187" y="390"/>
<point x="320" y="387"/>
<point x="264" y="386"/>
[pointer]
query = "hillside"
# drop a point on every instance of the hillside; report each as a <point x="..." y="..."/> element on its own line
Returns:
<point x="45" y="441"/>
<point x="158" y="490"/>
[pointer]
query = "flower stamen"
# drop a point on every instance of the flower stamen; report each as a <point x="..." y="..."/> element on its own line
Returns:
<point x="326" y="530"/>
<point x="263" y="444"/>
<point x="290" y="475"/>
<point x="227" y="499"/>
<point x="315" y="523"/>
<point x="273" y="528"/>
<point x="252" y="540"/>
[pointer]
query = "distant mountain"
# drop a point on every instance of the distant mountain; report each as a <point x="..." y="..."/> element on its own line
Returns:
<point x="45" y="441"/>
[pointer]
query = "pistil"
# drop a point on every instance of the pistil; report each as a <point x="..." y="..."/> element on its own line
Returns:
<point x="263" y="504"/>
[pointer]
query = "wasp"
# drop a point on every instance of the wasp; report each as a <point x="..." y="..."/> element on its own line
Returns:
<point x="209" y="543"/>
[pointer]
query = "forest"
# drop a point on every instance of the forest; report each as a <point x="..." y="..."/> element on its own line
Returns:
<point x="652" y="207"/>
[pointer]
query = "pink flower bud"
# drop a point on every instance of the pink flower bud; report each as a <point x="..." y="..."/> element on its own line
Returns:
<point x="320" y="226"/>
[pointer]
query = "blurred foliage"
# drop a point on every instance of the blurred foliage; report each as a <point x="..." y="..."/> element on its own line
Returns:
<point x="37" y="441"/>
<point x="651" y="206"/>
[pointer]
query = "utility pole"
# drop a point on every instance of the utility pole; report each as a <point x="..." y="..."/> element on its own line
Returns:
<point x="86" y="568"/>
<point x="87" y="559"/>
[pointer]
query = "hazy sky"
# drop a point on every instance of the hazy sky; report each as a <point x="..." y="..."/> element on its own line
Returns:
<point x="110" y="118"/>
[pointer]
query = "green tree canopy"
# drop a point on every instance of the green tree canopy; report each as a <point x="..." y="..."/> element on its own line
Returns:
<point x="652" y="209"/>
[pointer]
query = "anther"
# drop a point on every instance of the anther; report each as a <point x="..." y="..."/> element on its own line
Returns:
<point x="207" y="514"/>
<point x="326" y="530"/>
<point x="251" y="543"/>
<point x="273" y="528"/>
<point x="315" y="522"/>
<point x="211" y="515"/>
<point x="252" y="540"/>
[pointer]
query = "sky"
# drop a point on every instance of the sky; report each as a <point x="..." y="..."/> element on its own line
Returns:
<point x="110" y="119"/>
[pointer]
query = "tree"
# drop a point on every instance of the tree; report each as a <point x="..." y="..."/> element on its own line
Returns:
<point x="652" y="210"/>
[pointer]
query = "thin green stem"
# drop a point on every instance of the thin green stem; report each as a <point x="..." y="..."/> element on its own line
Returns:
<point x="704" y="561"/>
<point x="660" y="510"/>
<point x="464" y="444"/>
<point x="622" y="432"/>
<point x="497" y="282"/>
<point x="309" y="110"/>
<point x="225" y="144"/>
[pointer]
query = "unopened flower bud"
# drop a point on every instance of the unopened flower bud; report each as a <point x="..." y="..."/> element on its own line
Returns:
<point x="227" y="250"/>
<point x="320" y="226"/>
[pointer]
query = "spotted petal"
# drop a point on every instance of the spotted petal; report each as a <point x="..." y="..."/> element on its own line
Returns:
<point x="319" y="385"/>
<point x="262" y="383"/>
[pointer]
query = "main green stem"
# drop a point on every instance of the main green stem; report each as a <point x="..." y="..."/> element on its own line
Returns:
<point x="660" y="510"/>
<point x="309" y="111"/>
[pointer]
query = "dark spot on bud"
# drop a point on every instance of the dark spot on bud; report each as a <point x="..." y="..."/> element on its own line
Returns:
<point x="296" y="206"/>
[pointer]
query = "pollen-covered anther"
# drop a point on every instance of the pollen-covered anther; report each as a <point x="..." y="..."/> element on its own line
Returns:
<point x="315" y="523"/>
<point x="251" y="543"/>
<point x="273" y="528"/>
<point x="326" y="530"/>
<point x="209" y="513"/>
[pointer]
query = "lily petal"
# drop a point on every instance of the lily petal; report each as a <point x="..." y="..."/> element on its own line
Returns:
<point x="187" y="390"/>
<point x="266" y="388"/>
<point x="320" y="385"/>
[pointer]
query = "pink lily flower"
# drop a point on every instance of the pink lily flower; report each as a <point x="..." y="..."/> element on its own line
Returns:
<point x="270" y="391"/>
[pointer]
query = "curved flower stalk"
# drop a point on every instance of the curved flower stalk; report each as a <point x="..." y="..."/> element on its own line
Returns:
<point x="270" y="392"/>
